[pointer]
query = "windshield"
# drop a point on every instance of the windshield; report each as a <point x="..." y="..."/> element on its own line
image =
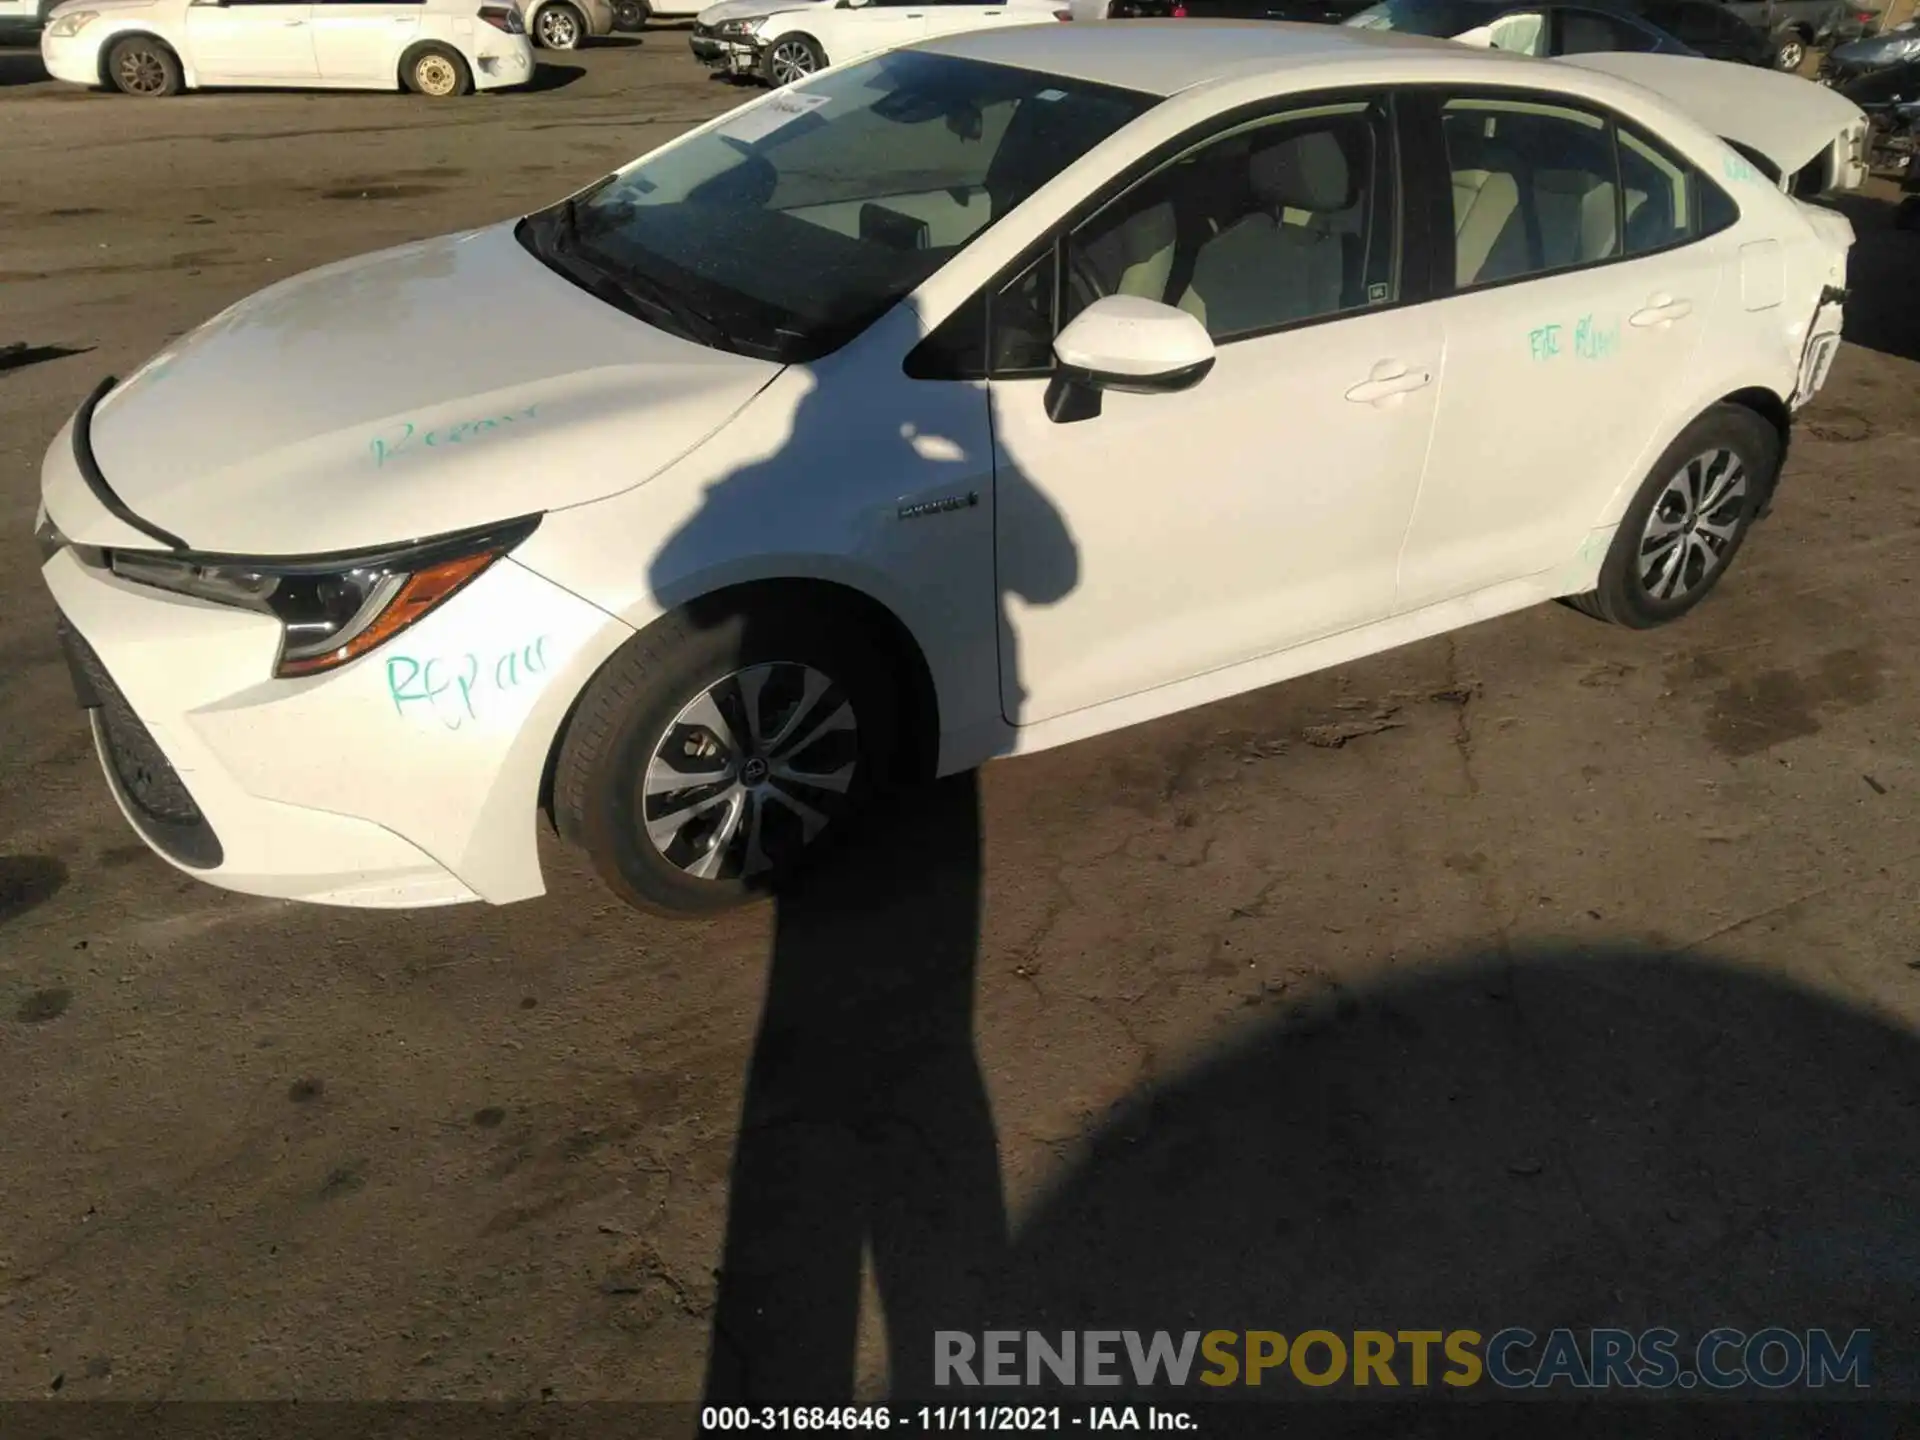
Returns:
<point x="1442" y="19"/>
<point x="794" y="224"/>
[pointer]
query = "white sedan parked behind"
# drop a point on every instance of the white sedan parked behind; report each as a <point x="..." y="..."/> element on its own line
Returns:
<point x="980" y="397"/>
<point x="160" y="47"/>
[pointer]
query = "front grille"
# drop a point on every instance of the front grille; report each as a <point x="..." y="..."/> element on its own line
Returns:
<point x="145" y="773"/>
<point x="163" y="810"/>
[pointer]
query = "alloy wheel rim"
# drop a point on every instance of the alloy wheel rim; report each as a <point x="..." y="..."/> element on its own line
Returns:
<point x="558" y="30"/>
<point x="1791" y="54"/>
<point x="750" y="771"/>
<point x="434" y="75"/>
<point x="791" y="61"/>
<point x="142" y="73"/>
<point x="1693" y="525"/>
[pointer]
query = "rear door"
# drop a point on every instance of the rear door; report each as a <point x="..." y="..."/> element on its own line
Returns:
<point x="1581" y="290"/>
<point x="359" y="41"/>
<point x="881" y="25"/>
<point x="251" y="42"/>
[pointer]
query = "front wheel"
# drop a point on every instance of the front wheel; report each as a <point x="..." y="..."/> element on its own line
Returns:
<point x="793" y="58"/>
<point x="631" y="14"/>
<point x="1790" y="53"/>
<point x="706" y="764"/>
<point x="140" y="65"/>
<point x="1688" y="520"/>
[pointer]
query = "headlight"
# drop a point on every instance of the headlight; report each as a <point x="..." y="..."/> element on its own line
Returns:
<point x="740" y="27"/>
<point x="331" y="610"/>
<point x="71" y="23"/>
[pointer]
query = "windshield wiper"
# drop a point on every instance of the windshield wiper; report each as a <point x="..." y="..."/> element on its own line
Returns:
<point x="627" y="291"/>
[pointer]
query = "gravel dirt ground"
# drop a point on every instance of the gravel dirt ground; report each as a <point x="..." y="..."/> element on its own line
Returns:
<point x="1545" y="974"/>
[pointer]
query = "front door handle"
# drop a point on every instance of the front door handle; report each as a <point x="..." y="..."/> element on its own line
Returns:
<point x="291" y="24"/>
<point x="1661" y="310"/>
<point x="1387" y="382"/>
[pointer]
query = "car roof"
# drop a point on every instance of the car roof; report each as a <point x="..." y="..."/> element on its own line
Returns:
<point x="1164" y="57"/>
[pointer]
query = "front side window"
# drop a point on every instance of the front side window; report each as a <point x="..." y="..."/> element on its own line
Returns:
<point x="1285" y="219"/>
<point x="792" y="226"/>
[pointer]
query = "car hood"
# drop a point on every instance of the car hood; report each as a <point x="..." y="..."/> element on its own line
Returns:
<point x="750" y="9"/>
<point x="415" y="391"/>
<point x="1787" y="119"/>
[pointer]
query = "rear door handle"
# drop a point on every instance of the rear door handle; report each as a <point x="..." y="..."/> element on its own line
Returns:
<point x="1387" y="382"/>
<point x="1661" y="310"/>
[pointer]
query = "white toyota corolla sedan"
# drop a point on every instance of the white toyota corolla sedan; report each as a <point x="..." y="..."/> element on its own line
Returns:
<point x="966" y="401"/>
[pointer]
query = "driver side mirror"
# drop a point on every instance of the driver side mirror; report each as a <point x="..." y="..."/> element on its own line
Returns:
<point x="1127" y="344"/>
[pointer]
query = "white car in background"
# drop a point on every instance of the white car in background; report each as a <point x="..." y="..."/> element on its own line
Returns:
<point x="781" y="45"/>
<point x="160" y="47"/>
<point x="990" y="394"/>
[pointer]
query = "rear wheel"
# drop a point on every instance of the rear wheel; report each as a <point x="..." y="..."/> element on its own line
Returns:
<point x="438" y="71"/>
<point x="1789" y="51"/>
<point x="631" y="14"/>
<point x="1688" y="520"/>
<point x="559" y="27"/>
<point x="794" y="57"/>
<point x="141" y="65"/>
<point x="706" y="765"/>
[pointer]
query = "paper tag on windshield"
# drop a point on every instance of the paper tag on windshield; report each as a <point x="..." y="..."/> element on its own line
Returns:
<point x="763" y="119"/>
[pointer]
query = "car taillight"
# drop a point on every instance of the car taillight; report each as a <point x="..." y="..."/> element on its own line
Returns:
<point x="1179" y="12"/>
<point x="503" y="17"/>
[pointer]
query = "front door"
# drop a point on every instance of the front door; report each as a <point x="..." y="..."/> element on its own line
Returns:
<point x="251" y="42"/>
<point x="1563" y="344"/>
<point x="1173" y="535"/>
<point x="359" y="41"/>
<point x="873" y="27"/>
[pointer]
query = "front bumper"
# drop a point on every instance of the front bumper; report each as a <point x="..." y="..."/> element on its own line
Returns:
<point x="72" y="58"/>
<point x="408" y="777"/>
<point x="729" y="54"/>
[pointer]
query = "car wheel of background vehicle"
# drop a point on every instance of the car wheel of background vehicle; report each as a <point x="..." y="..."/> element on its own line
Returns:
<point x="141" y="65"/>
<point x="438" y="71"/>
<point x="559" y="27"/>
<point x="794" y="57"/>
<point x="706" y="763"/>
<point x="1688" y="520"/>
<point x="631" y="14"/>
<point x="1789" y="52"/>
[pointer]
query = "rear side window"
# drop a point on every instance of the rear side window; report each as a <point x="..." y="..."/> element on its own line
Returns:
<point x="1540" y="187"/>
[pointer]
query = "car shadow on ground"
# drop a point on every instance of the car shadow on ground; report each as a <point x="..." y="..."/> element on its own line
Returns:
<point x="1883" y="272"/>
<point x="21" y="67"/>
<point x="549" y="76"/>
<point x="1584" y="1138"/>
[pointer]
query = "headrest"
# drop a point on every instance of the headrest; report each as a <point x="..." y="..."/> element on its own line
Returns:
<point x="1303" y="172"/>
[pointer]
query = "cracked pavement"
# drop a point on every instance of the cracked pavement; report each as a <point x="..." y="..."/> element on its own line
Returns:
<point x="1544" y="973"/>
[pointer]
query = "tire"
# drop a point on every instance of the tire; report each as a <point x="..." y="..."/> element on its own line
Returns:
<point x="643" y="713"/>
<point x="1789" y="52"/>
<point x="631" y="15"/>
<point x="559" y="27"/>
<point x="140" y="65"/>
<point x="437" y="71"/>
<point x="1728" y="446"/>
<point x="792" y="58"/>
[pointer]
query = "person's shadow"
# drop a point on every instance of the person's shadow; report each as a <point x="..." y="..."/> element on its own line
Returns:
<point x="865" y="1131"/>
